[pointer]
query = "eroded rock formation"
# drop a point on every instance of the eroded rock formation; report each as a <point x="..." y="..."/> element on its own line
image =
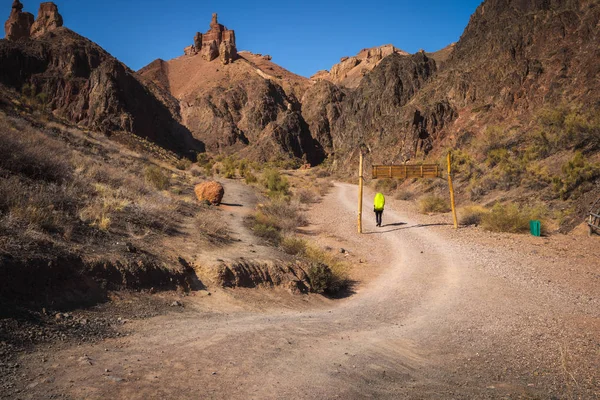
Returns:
<point x="217" y="42"/>
<point x="350" y="70"/>
<point x="19" y="23"/>
<point x="47" y="20"/>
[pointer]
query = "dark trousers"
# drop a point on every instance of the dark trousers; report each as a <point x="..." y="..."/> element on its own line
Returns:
<point x="378" y="217"/>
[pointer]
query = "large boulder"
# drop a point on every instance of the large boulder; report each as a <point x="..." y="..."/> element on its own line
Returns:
<point x="47" y="20"/>
<point x="210" y="191"/>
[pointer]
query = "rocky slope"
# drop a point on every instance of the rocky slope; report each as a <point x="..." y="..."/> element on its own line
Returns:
<point x="245" y="104"/>
<point x="75" y="79"/>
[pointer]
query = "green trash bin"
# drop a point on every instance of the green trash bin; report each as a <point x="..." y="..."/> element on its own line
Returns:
<point x="536" y="228"/>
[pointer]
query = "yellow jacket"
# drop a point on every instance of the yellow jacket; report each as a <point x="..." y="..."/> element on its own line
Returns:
<point x="379" y="202"/>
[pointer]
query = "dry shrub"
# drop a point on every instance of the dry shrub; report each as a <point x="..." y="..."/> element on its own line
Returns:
<point x="472" y="215"/>
<point x="323" y="173"/>
<point x="386" y="185"/>
<point x="433" y="204"/>
<point x="183" y="164"/>
<point x="405" y="195"/>
<point x="512" y="218"/>
<point x="283" y="215"/>
<point x="326" y="274"/>
<point x="274" y="218"/>
<point x="293" y="245"/>
<point x="323" y="187"/>
<point x="306" y="196"/>
<point x="576" y="178"/>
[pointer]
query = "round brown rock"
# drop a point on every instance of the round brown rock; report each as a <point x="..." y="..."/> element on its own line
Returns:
<point x="210" y="191"/>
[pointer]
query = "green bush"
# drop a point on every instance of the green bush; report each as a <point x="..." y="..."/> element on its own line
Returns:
<point x="464" y="166"/>
<point x="492" y="139"/>
<point x="575" y="173"/>
<point x="250" y="178"/>
<point x="563" y="127"/>
<point x="268" y="232"/>
<point x="506" y="218"/>
<point x="229" y="167"/>
<point x="276" y="184"/>
<point x="155" y="177"/>
<point x="433" y="204"/>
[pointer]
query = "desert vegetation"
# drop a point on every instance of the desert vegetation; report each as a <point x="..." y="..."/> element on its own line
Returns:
<point x="69" y="197"/>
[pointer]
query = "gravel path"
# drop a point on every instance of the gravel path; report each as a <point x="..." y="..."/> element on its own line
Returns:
<point x="436" y="314"/>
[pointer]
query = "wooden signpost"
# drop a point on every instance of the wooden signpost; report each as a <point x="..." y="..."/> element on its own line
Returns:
<point x="406" y="171"/>
<point x="360" y="192"/>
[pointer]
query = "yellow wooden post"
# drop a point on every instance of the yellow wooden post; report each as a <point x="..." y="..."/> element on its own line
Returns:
<point x="360" y="192"/>
<point x="452" y="203"/>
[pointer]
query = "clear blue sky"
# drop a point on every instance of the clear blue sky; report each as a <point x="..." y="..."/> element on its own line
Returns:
<point x="302" y="36"/>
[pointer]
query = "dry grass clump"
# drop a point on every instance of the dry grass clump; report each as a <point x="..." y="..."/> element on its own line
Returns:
<point x="156" y="177"/>
<point x="293" y="245"/>
<point x="212" y="227"/>
<point x="472" y="215"/>
<point x="32" y="155"/>
<point x="276" y="218"/>
<point x="284" y="215"/>
<point x="433" y="204"/>
<point x="183" y="164"/>
<point x="250" y="178"/>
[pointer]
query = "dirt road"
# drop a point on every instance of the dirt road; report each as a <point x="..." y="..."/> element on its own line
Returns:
<point x="432" y="317"/>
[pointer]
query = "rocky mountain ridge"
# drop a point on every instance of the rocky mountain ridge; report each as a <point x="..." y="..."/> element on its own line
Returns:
<point x="247" y="105"/>
<point x="350" y="70"/>
<point x="75" y="79"/>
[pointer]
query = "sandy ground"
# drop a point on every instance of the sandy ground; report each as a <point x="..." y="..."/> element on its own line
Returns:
<point x="435" y="313"/>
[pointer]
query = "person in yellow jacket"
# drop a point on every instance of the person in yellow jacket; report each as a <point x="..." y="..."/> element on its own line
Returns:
<point x="378" y="205"/>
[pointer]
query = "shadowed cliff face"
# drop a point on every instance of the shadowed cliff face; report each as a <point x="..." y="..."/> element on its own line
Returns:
<point x="514" y="58"/>
<point x="79" y="81"/>
<point x="378" y="112"/>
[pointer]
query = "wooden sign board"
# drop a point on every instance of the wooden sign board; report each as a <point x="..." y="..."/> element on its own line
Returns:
<point x="406" y="171"/>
